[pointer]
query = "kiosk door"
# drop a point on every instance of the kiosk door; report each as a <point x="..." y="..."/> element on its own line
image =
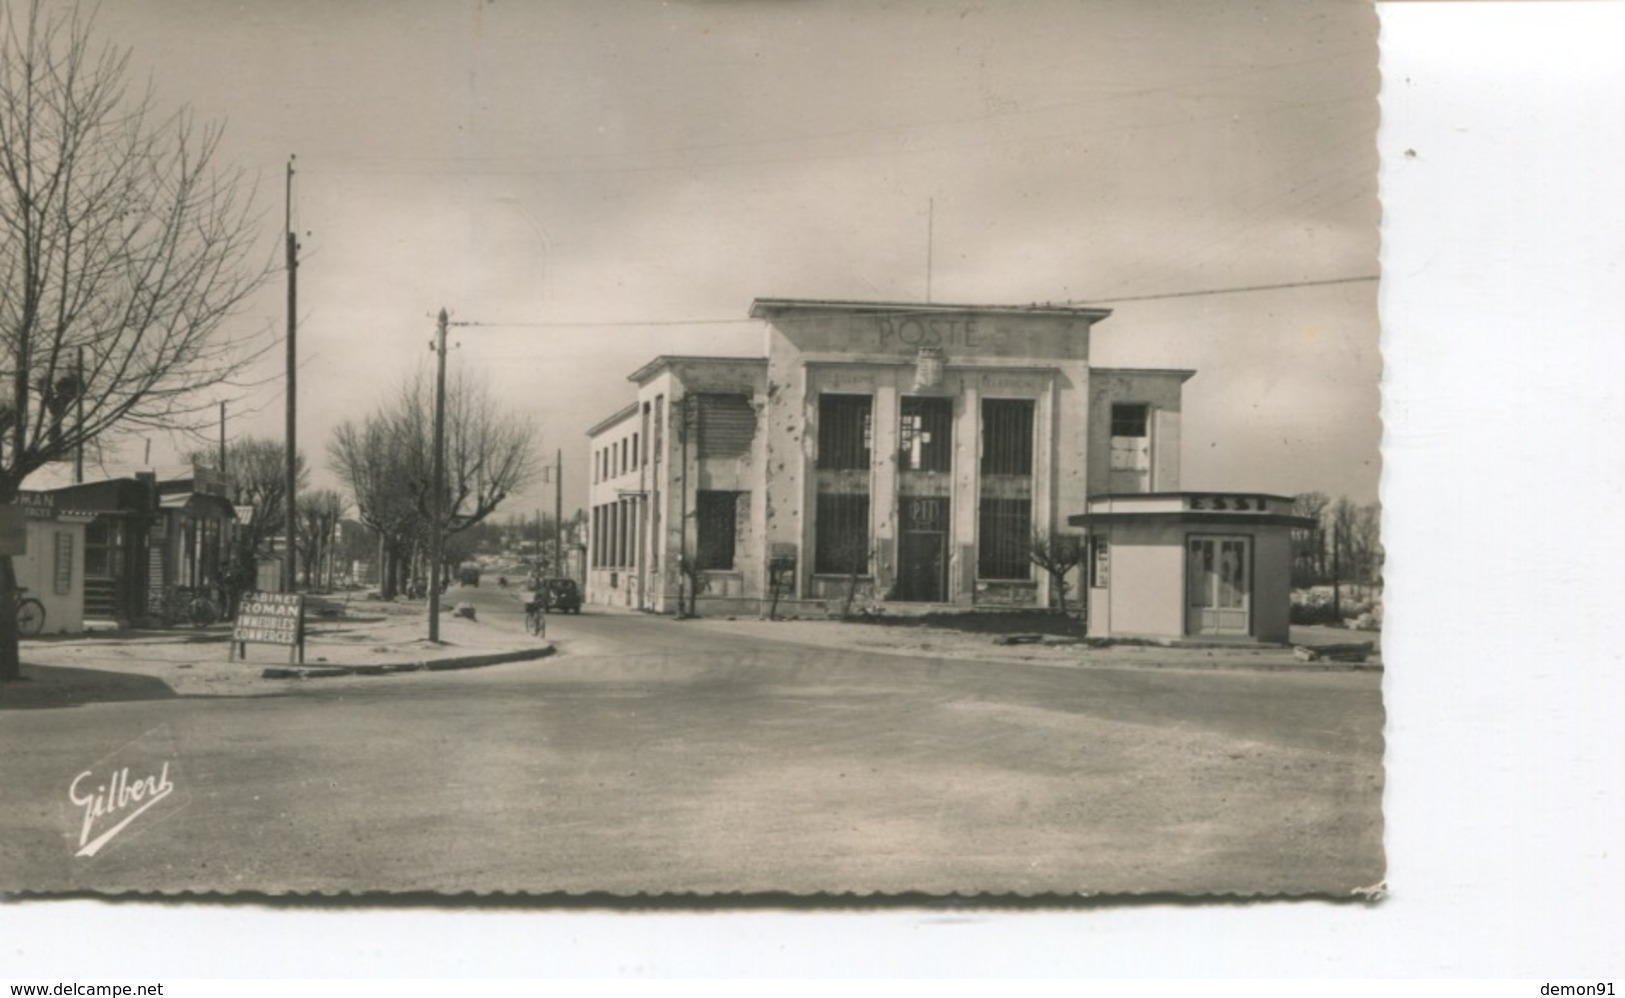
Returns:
<point x="1218" y="573"/>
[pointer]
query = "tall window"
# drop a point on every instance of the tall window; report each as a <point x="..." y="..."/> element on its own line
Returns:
<point x="1007" y="437"/>
<point x="1006" y="531"/>
<point x="659" y="445"/>
<point x="925" y="436"/>
<point x="716" y="525"/>
<point x="1005" y="511"/>
<point x="841" y="524"/>
<point x="1131" y="447"/>
<point x="843" y="534"/>
<point x="844" y="432"/>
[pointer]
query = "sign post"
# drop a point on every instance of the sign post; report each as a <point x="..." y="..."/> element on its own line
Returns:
<point x="270" y="618"/>
<point x="13" y="530"/>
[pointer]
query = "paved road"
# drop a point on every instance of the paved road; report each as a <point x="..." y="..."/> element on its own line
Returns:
<point x="650" y="755"/>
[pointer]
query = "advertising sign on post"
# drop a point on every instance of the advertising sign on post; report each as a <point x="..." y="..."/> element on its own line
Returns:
<point x="270" y="618"/>
<point x="13" y="530"/>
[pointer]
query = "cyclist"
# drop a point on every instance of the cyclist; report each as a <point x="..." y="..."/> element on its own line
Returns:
<point x="536" y="607"/>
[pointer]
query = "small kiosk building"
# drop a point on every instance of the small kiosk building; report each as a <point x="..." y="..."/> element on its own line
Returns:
<point x="1190" y="566"/>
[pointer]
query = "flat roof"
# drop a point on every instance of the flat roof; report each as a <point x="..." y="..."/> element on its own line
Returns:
<point x="764" y="307"/>
<point x="605" y="424"/>
<point x="1187" y="494"/>
<point x="1185" y="373"/>
<point x="665" y="360"/>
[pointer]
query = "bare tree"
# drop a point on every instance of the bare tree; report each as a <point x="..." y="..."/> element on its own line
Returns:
<point x="1365" y="543"/>
<point x="1309" y="543"/>
<point x="853" y="553"/>
<point x="1058" y="554"/>
<point x="367" y="459"/>
<point x="256" y="474"/>
<point x="387" y="464"/>
<point x="319" y="513"/>
<point x="1343" y="516"/>
<point x="124" y="250"/>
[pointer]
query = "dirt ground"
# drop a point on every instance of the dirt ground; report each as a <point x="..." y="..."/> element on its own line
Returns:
<point x="370" y="633"/>
<point x="922" y="636"/>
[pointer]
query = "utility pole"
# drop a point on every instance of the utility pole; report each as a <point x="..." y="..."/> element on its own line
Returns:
<point x="439" y="473"/>
<point x="930" y="240"/>
<point x="558" y="513"/>
<point x="292" y="443"/>
<point x="222" y="440"/>
<point x="79" y="415"/>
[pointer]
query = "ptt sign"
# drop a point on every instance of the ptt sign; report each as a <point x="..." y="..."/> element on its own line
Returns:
<point x="1229" y="502"/>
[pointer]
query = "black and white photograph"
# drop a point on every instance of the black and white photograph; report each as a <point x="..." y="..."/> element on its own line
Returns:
<point x="704" y="450"/>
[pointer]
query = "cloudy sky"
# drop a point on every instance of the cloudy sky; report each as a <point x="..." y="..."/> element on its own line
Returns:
<point x="594" y="184"/>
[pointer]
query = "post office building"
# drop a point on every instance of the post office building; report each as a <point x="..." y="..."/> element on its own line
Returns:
<point x="874" y="455"/>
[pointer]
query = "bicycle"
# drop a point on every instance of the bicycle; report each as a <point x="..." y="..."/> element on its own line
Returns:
<point x="30" y="615"/>
<point x="535" y="619"/>
<point x="181" y="604"/>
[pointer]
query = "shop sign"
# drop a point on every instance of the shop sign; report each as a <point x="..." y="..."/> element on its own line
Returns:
<point x="38" y="505"/>
<point x="1228" y="502"/>
<point x="270" y="618"/>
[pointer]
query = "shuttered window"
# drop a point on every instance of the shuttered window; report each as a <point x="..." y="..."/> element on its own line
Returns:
<point x="725" y="423"/>
<point x="843" y="534"/>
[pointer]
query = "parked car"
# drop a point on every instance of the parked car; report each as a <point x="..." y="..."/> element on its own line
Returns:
<point x="469" y="575"/>
<point x="563" y="595"/>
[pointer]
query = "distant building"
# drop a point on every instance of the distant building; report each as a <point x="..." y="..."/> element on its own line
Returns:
<point x="909" y="452"/>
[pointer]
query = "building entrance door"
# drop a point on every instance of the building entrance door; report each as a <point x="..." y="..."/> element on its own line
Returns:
<point x="1218" y="573"/>
<point x="922" y="570"/>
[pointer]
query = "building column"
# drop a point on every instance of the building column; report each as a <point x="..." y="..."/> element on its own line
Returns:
<point x="967" y="491"/>
<point x="884" y="418"/>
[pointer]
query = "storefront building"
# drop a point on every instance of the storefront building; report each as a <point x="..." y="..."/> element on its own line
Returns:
<point x="137" y="537"/>
<point x="117" y="515"/>
<point x="52" y="568"/>
<point x="901" y="455"/>
<point x="191" y="538"/>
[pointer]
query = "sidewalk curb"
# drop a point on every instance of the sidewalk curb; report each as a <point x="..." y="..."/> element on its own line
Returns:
<point x="996" y="653"/>
<point x="417" y="665"/>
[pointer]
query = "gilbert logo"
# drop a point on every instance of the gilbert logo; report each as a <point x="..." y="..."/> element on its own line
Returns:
<point x="113" y="804"/>
<point x="106" y="799"/>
